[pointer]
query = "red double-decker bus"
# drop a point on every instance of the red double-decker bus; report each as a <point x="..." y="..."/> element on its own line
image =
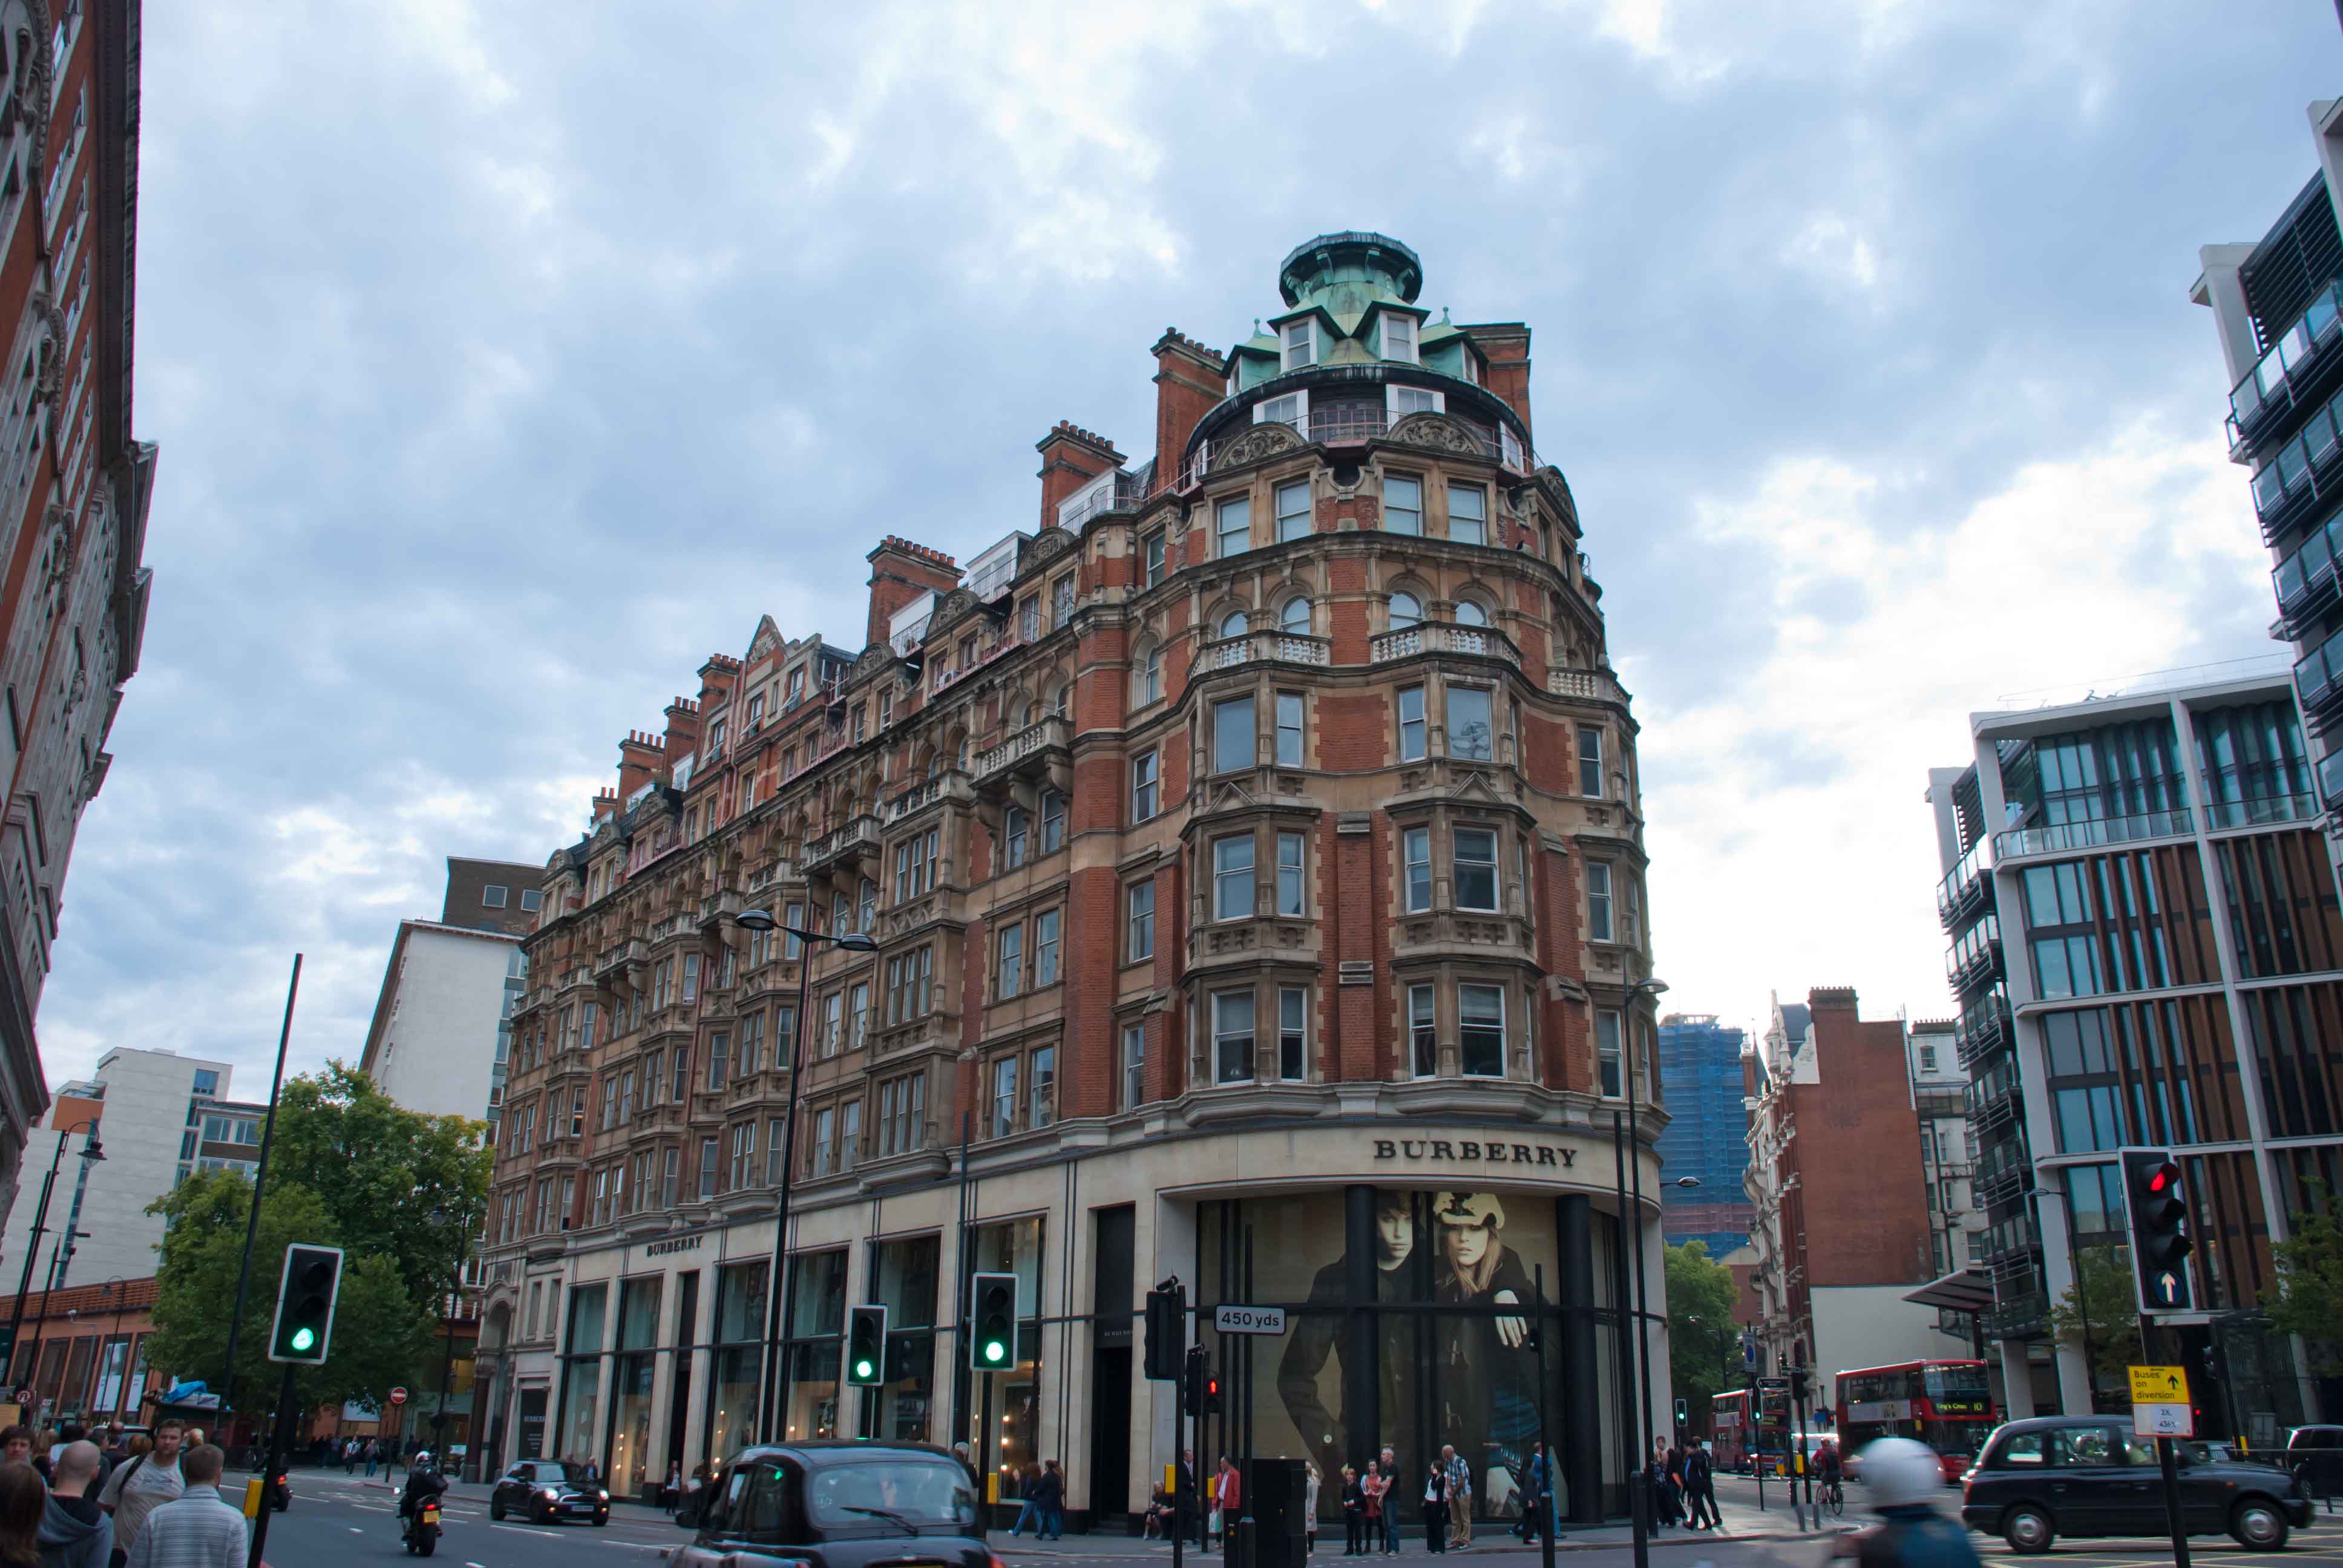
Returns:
<point x="1947" y="1405"/>
<point x="1729" y="1425"/>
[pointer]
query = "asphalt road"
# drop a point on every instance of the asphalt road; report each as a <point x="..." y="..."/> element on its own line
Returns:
<point x="343" y="1523"/>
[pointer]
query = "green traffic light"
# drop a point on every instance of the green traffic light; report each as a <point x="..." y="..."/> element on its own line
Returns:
<point x="862" y="1369"/>
<point x="303" y="1338"/>
<point x="992" y="1349"/>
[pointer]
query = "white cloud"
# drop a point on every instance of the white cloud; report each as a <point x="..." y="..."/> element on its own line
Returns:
<point x="1790" y="846"/>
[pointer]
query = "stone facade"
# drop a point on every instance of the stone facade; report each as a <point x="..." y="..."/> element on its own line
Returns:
<point x="1254" y="850"/>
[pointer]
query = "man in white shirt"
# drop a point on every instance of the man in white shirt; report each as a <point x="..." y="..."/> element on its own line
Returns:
<point x="137" y="1489"/>
<point x="196" y="1528"/>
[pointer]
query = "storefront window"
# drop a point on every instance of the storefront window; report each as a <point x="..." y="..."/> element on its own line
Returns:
<point x="581" y="1374"/>
<point x="630" y="1384"/>
<point x="906" y="1271"/>
<point x="1013" y="1431"/>
<point x="733" y="1390"/>
<point x="819" y="1320"/>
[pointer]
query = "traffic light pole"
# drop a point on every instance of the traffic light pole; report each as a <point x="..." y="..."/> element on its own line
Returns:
<point x="278" y="1446"/>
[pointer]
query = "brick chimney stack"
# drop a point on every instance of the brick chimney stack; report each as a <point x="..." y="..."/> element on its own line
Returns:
<point x="1072" y="457"/>
<point x="900" y="571"/>
<point x="1507" y="345"/>
<point x="641" y="755"/>
<point x="682" y="727"/>
<point x="1190" y="380"/>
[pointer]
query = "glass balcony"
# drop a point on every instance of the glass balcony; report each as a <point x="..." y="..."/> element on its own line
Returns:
<point x="1967" y="886"/>
<point x="2305" y="579"/>
<point x="2330" y="778"/>
<point x="2318" y="678"/>
<point x="1984" y="1026"/>
<point x="1977" y="956"/>
<point x="2261" y="812"/>
<point x="2302" y="474"/>
<point x="2097" y="832"/>
<point x="2274" y="385"/>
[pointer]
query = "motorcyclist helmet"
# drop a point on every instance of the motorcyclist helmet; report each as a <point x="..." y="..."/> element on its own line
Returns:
<point x="1899" y="1473"/>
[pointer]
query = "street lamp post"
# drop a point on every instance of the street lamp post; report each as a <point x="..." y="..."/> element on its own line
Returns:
<point x="1638" y="1499"/>
<point x="782" y="1289"/>
<point x="90" y="1149"/>
<point x="463" y="1221"/>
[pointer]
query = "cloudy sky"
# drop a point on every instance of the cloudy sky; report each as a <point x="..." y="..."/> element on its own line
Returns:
<point x="506" y="360"/>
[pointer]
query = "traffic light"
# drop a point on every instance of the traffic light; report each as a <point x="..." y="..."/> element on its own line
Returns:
<point x="1192" y="1382"/>
<point x="1683" y="1416"/>
<point x="305" y="1304"/>
<point x="2159" y="1229"/>
<point x="1800" y="1388"/>
<point x="865" y="1346"/>
<point x="992" y="1322"/>
<point x="1212" y="1392"/>
<point x="1167" y="1332"/>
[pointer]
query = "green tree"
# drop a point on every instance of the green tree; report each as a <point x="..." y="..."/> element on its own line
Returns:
<point x="382" y="1335"/>
<point x="2309" y="1300"/>
<point x="2101" y="1310"/>
<point x="382" y="1171"/>
<point x="1703" y="1348"/>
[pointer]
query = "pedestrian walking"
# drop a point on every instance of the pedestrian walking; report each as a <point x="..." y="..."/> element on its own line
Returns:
<point x="195" y="1529"/>
<point x="1533" y="1518"/>
<point x="149" y="1481"/>
<point x="1228" y="1497"/>
<point x="1700" y="1489"/>
<point x="75" y="1532"/>
<point x="1029" y="1507"/>
<point x="23" y="1505"/>
<point x="1435" y="1507"/>
<point x="1192" y="1512"/>
<point x="1459" y="1498"/>
<point x="1310" y="1508"/>
<point x="1355" y="1515"/>
<point x="1050" y="1502"/>
<point x="1393" y="1495"/>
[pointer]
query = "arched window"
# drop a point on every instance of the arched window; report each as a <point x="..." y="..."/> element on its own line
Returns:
<point x="1150" y="673"/>
<point x="1470" y="614"/>
<point x="1404" y="611"/>
<point x="1295" y="617"/>
<point x="1065" y="698"/>
<point x="1235" y="623"/>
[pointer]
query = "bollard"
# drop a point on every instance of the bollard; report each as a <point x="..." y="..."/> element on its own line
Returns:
<point x="252" y="1498"/>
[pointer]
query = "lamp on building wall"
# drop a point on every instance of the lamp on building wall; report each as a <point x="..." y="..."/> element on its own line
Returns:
<point x="781" y="1304"/>
<point x="90" y="1153"/>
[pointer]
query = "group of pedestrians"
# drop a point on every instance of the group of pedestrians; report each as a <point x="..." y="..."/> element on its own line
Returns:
<point x="1043" y="1498"/>
<point x="1682" y="1484"/>
<point x="150" y="1504"/>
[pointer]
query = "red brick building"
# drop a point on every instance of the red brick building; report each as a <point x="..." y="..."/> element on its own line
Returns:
<point x="1842" y="1228"/>
<point x="1252" y="850"/>
<point x="74" y="483"/>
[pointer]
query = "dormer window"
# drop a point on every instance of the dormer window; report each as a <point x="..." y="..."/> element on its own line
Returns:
<point x="1399" y="337"/>
<point x="1300" y="344"/>
<point x="1293" y="409"/>
<point x="1405" y="400"/>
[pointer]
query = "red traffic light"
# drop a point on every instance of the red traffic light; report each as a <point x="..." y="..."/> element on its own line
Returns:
<point x="2162" y="1179"/>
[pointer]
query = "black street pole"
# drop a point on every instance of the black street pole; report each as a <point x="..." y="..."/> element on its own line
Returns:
<point x="259" y="1180"/>
<point x="1643" y="1324"/>
<point x="1541" y="1499"/>
<point x="780" y="1296"/>
<point x="959" y="1294"/>
<point x="278" y="1446"/>
<point x="1634" y="1444"/>
<point x="33" y="1241"/>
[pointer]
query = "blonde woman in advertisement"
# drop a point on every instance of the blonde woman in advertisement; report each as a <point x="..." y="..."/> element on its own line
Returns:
<point x="1488" y="1374"/>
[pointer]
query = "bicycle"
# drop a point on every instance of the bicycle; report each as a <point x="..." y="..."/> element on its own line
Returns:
<point x="1834" y="1499"/>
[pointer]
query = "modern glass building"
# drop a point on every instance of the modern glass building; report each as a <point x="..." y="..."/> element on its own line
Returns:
<point x="1708" y="1133"/>
<point x="2145" y="950"/>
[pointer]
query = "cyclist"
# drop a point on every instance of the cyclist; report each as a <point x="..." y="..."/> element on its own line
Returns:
<point x="1827" y="1469"/>
<point x="1904" y="1479"/>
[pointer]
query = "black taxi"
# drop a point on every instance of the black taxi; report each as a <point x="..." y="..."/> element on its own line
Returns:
<point x="2049" y="1476"/>
<point x="840" y="1504"/>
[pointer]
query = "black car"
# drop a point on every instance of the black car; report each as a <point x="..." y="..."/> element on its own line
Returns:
<point x="2315" y="1454"/>
<point x="550" y="1491"/>
<point x="2087" y="1476"/>
<point x="842" y="1505"/>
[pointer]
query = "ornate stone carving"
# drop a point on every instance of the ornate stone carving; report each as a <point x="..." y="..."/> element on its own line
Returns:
<point x="1439" y="432"/>
<point x="1049" y="544"/>
<point x="1262" y="441"/>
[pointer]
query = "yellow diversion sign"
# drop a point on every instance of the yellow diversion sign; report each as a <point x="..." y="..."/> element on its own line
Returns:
<point x="2158" y="1386"/>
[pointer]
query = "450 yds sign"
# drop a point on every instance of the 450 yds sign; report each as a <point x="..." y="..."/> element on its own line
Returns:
<point x="1235" y="1320"/>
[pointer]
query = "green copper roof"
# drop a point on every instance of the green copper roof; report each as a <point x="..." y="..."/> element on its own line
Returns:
<point x="1354" y="257"/>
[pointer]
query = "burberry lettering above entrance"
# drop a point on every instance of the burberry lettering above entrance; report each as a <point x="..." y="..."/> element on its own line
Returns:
<point x="685" y="1243"/>
<point x="1487" y="1151"/>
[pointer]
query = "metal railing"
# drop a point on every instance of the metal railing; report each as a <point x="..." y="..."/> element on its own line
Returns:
<point x="1124" y="493"/>
<point x="2092" y="833"/>
<point x="1965" y="883"/>
<point x="2261" y="811"/>
<point x="2265" y="391"/>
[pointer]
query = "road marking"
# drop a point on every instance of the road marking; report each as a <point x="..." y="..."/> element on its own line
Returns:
<point x="355" y="1531"/>
<point x="525" y="1530"/>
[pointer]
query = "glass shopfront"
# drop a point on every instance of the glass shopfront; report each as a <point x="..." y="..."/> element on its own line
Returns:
<point x="733" y="1393"/>
<point x="813" y="1348"/>
<point x="1013" y="1431"/>
<point x="581" y="1374"/>
<point x="1418" y="1321"/>
<point x="632" y="1371"/>
<point x="907" y="1289"/>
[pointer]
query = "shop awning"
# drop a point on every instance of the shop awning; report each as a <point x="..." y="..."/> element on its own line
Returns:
<point x="1963" y="1290"/>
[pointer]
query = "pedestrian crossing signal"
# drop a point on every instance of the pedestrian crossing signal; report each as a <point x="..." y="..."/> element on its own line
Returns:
<point x="304" y="1330"/>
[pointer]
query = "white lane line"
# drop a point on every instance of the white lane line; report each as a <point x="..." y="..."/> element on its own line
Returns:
<point x="475" y="1565"/>
<point x="525" y="1530"/>
<point x="355" y="1531"/>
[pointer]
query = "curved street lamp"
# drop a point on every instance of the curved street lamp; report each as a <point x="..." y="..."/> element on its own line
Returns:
<point x="782" y="1287"/>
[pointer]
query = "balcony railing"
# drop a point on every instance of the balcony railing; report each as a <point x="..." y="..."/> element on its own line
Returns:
<point x="950" y="785"/>
<point x="1994" y="1103"/>
<point x="1966" y="886"/>
<point x="1048" y="734"/>
<point x="1261" y="647"/>
<point x="2304" y="473"/>
<point x="2318" y="678"/>
<point x="1585" y="685"/>
<point x="1983" y="1027"/>
<point x="2288" y="369"/>
<point x="1976" y="955"/>
<point x="1336" y="423"/>
<point x="1441" y="636"/>
<point x="2304" y="582"/>
<point x="2330" y="778"/>
<point x="859" y="837"/>
<point x="2002" y="1186"/>
<point x="2097" y="832"/>
<point x="1124" y="493"/>
<point x="2261" y="811"/>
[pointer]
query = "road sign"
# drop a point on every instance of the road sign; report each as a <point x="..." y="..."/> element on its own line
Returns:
<point x="1235" y="1320"/>
<point x="2158" y="1386"/>
<point x="398" y="1396"/>
<point x="2162" y="1420"/>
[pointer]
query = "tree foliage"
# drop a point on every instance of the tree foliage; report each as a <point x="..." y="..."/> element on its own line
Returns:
<point x="382" y="1335"/>
<point x="2101" y="1310"/>
<point x="2309" y="1300"/>
<point x="382" y="1170"/>
<point x="1703" y="1346"/>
